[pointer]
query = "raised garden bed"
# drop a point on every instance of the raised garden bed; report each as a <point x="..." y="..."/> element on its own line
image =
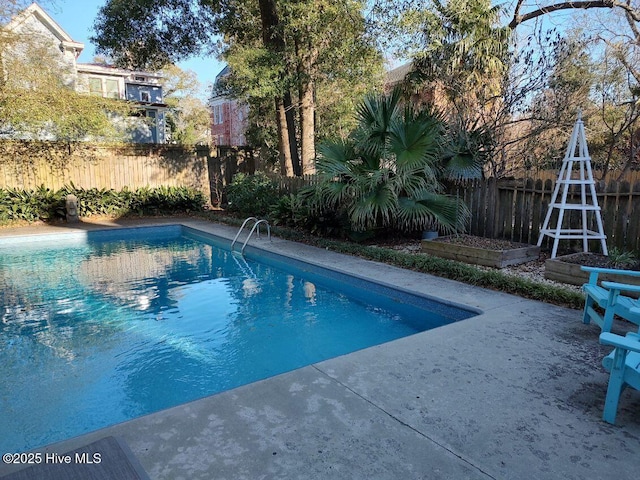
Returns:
<point x="566" y="269"/>
<point x="481" y="251"/>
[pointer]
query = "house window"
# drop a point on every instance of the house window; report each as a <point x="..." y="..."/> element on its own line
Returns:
<point x="95" y="86"/>
<point x="142" y="113"/>
<point x="112" y="88"/>
<point x="217" y="115"/>
<point x="145" y="97"/>
<point x="104" y="87"/>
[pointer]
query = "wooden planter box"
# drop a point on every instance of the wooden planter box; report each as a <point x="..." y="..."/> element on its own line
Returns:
<point x="480" y="256"/>
<point x="559" y="270"/>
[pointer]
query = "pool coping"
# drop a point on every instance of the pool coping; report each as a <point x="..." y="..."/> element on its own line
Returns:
<point x="515" y="392"/>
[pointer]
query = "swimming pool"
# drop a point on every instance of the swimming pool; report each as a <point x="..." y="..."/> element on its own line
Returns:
<point x="103" y="327"/>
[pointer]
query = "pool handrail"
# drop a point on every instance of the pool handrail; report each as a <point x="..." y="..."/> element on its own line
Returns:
<point x="255" y="225"/>
<point x="240" y="230"/>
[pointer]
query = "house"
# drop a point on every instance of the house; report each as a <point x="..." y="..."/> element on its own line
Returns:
<point x="229" y="116"/>
<point x="143" y="89"/>
<point x="402" y="76"/>
<point x="397" y="75"/>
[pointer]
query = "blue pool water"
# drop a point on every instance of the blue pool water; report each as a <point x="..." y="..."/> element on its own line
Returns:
<point x="103" y="327"/>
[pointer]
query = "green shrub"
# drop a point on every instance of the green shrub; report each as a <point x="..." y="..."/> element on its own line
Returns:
<point x="45" y="204"/>
<point x="622" y="259"/>
<point x="251" y="195"/>
<point x="291" y="211"/>
<point x="30" y="205"/>
<point x="164" y="200"/>
<point x="302" y="212"/>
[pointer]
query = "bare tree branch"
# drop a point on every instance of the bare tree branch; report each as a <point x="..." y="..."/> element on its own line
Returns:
<point x="516" y="11"/>
<point x="521" y="18"/>
<point x="633" y="26"/>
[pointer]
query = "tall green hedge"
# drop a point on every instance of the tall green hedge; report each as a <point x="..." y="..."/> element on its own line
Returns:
<point x="46" y="204"/>
<point x="251" y="195"/>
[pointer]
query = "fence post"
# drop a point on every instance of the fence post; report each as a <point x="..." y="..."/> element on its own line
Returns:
<point x="491" y="201"/>
<point x="517" y="209"/>
<point x="633" y="233"/>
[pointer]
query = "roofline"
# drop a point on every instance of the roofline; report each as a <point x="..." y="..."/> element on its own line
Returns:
<point x="109" y="70"/>
<point x="160" y="106"/>
<point x="44" y="18"/>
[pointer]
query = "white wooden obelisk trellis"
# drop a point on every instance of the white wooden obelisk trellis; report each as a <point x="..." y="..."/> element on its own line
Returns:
<point x="575" y="170"/>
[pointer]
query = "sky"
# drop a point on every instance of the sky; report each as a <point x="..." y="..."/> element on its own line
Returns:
<point x="76" y="17"/>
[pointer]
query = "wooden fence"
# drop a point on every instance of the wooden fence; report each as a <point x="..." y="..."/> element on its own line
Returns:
<point x="516" y="209"/>
<point x="504" y="208"/>
<point x="226" y="162"/>
<point x="293" y="184"/>
<point x="29" y="165"/>
<point x="630" y="176"/>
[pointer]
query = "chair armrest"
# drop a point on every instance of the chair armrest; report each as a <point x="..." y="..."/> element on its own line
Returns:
<point x="615" y="271"/>
<point x="621" y="286"/>
<point x="630" y="343"/>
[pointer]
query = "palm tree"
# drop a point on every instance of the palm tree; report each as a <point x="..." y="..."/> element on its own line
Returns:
<point x="387" y="172"/>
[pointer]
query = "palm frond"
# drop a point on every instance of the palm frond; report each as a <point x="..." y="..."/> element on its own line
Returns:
<point x="370" y="161"/>
<point x="332" y="194"/>
<point x="449" y="213"/>
<point x="374" y="208"/>
<point x="413" y="183"/>
<point x="463" y="166"/>
<point x="412" y="215"/>
<point x="415" y="144"/>
<point x="465" y="153"/>
<point x="375" y="114"/>
<point x="338" y="150"/>
<point x="335" y="159"/>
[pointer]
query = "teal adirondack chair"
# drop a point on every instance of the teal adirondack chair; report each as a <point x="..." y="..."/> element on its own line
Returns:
<point x="609" y="296"/>
<point x="624" y="367"/>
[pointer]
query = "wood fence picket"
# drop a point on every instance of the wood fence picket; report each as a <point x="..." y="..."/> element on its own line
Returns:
<point x="512" y="209"/>
<point x="515" y="210"/>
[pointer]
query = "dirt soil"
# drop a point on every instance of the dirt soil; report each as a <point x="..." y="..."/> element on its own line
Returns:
<point x="597" y="260"/>
<point x="533" y="270"/>
<point x="588" y="259"/>
<point x="481" y="242"/>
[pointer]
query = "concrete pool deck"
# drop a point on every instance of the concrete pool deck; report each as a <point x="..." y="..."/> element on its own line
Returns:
<point x="514" y="393"/>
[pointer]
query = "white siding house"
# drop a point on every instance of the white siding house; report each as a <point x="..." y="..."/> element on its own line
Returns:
<point x="144" y="89"/>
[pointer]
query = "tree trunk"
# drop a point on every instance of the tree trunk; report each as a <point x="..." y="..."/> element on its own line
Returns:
<point x="274" y="41"/>
<point x="286" y="164"/>
<point x="291" y="134"/>
<point x="307" y="127"/>
<point x="307" y="56"/>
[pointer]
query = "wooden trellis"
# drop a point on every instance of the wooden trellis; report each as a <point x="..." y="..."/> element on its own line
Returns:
<point x="575" y="170"/>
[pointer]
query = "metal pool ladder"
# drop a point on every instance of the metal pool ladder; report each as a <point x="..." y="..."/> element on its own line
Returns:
<point x="256" y="226"/>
